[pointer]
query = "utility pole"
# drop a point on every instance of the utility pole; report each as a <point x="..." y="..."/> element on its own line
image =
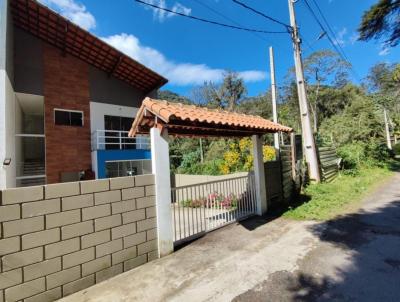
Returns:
<point x="308" y="137"/>
<point x="387" y="130"/>
<point x="273" y="92"/>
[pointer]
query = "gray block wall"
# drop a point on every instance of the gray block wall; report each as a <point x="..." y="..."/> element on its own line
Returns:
<point x="59" y="239"/>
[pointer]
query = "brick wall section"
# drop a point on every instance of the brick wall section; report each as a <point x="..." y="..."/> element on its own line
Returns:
<point x="58" y="239"/>
<point x="65" y="86"/>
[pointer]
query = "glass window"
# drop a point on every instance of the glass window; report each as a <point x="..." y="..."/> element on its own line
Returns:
<point x="127" y="168"/>
<point x="68" y="118"/>
<point x="117" y="136"/>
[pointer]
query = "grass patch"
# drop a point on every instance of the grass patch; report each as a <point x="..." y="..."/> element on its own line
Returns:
<point x="328" y="200"/>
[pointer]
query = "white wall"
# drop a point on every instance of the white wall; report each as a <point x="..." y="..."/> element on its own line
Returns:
<point x="94" y="164"/>
<point x="99" y="110"/>
<point x="188" y="179"/>
<point x="7" y="131"/>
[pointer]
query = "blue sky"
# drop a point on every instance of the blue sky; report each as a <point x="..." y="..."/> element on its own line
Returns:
<point x="188" y="52"/>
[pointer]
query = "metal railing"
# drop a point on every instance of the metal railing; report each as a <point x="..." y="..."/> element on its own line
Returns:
<point x="116" y="139"/>
<point x="203" y="207"/>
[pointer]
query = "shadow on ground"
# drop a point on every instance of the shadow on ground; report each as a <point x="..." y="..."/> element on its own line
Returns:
<point x="394" y="165"/>
<point x="357" y="259"/>
<point x="274" y="212"/>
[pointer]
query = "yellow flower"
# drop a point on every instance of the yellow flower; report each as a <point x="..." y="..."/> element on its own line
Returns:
<point x="269" y="153"/>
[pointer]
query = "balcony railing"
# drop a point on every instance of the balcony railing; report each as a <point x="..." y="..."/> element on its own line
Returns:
<point x="118" y="140"/>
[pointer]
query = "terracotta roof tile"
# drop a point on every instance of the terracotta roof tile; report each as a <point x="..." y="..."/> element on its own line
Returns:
<point x="190" y="116"/>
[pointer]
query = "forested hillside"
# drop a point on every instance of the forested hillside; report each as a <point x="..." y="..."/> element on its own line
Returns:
<point x="346" y="115"/>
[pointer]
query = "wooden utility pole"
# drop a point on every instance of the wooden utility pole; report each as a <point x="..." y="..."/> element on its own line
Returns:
<point x="307" y="132"/>
<point x="273" y="93"/>
<point x="387" y="130"/>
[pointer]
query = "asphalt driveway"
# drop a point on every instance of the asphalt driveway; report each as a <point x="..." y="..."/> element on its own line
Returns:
<point x="352" y="258"/>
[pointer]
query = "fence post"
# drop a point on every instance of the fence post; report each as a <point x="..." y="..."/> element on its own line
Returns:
<point x="259" y="175"/>
<point x="161" y="171"/>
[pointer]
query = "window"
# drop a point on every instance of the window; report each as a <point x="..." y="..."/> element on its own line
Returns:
<point x="117" y="134"/>
<point x="127" y="168"/>
<point x="68" y="117"/>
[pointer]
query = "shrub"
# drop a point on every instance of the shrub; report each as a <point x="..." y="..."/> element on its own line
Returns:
<point x="352" y="155"/>
<point x="377" y="152"/>
<point x="211" y="167"/>
<point x="396" y="149"/>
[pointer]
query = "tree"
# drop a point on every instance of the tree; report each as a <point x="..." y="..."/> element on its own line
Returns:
<point x="260" y="105"/>
<point x="208" y="95"/>
<point x="170" y="96"/>
<point x="322" y="68"/>
<point x="232" y="90"/>
<point x="381" y="78"/>
<point x="382" y="19"/>
<point x="224" y="96"/>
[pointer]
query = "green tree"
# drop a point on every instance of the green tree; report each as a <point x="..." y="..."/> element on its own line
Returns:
<point x="260" y="105"/>
<point x="381" y="20"/>
<point x="226" y="95"/>
<point x="322" y="68"/>
<point x="170" y="96"/>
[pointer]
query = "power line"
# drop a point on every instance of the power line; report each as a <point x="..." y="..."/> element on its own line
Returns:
<point x="227" y="18"/>
<point x="329" y="26"/>
<point x="323" y="28"/>
<point x="287" y="26"/>
<point x="210" y="21"/>
<point x="335" y="45"/>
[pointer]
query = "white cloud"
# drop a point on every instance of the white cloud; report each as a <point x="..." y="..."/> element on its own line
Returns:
<point x="161" y="15"/>
<point x="73" y="11"/>
<point x="384" y="51"/>
<point x="353" y="38"/>
<point x="181" y="74"/>
<point x="340" y="37"/>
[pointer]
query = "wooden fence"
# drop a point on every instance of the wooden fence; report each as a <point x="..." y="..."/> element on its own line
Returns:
<point x="273" y="182"/>
<point x="287" y="163"/>
<point x="329" y="163"/>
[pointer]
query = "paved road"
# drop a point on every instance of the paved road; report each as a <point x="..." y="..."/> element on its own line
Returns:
<point x="352" y="258"/>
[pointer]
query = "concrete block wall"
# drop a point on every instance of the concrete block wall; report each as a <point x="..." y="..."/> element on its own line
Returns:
<point x="61" y="238"/>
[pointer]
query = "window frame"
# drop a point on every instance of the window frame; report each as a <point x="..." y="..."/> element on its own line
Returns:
<point x="69" y="110"/>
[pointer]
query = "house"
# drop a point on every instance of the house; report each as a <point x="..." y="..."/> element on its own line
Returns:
<point x="67" y="100"/>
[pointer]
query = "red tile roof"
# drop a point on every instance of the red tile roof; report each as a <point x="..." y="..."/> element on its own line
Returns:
<point x="190" y="120"/>
<point x="56" y="30"/>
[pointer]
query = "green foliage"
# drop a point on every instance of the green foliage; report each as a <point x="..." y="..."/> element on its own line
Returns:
<point x="381" y="20"/>
<point x="345" y="115"/>
<point x="173" y="97"/>
<point x="361" y="121"/>
<point x="396" y="149"/>
<point x="353" y="155"/>
<point x="330" y="199"/>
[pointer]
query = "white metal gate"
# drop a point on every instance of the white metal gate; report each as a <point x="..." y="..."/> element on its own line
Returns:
<point x="204" y="207"/>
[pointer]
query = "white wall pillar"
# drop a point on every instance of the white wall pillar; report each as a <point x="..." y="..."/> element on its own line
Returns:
<point x="161" y="170"/>
<point x="259" y="175"/>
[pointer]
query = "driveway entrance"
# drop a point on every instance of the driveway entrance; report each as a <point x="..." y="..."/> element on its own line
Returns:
<point x="352" y="258"/>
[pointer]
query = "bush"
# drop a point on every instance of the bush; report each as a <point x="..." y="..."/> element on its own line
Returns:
<point x="352" y="155"/>
<point x="378" y="152"/>
<point x="396" y="149"/>
<point x="212" y="167"/>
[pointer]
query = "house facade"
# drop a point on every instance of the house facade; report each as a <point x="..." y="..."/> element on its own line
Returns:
<point x="66" y="101"/>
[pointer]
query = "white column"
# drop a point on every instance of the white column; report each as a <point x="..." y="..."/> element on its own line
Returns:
<point x="259" y="175"/>
<point x="161" y="170"/>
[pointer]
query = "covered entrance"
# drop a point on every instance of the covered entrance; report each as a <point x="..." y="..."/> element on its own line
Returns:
<point x="188" y="211"/>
